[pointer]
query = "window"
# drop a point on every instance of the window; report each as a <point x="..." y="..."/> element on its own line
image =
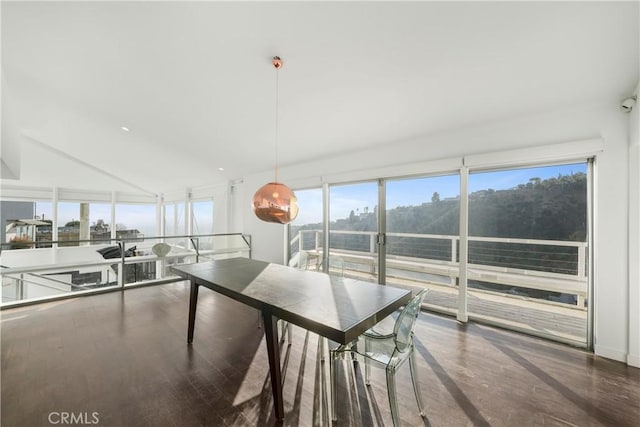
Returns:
<point x="174" y="219"/>
<point x="69" y="224"/>
<point x="305" y="232"/>
<point x="202" y="216"/>
<point x="135" y="220"/>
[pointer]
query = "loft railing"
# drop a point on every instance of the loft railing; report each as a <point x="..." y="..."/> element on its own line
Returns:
<point x="48" y="270"/>
<point x="544" y="266"/>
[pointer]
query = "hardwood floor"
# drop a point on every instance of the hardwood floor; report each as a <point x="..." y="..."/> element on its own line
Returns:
<point x="124" y="357"/>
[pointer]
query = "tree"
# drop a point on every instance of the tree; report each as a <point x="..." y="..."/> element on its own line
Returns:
<point x="435" y="198"/>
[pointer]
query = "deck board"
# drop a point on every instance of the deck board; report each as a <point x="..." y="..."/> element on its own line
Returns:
<point x="563" y="322"/>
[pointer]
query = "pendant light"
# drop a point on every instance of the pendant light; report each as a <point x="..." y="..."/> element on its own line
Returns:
<point x="275" y="202"/>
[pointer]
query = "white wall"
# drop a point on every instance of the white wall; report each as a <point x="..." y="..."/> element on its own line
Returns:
<point x="611" y="239"/>
<point x="612" y="290"/>
<point x="9" y="136"/>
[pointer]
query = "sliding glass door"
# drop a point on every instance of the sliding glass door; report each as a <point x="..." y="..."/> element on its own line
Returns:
<point x="528" y="250"/>
<point x="353" y="229"/>
<point x="422" y="222"/>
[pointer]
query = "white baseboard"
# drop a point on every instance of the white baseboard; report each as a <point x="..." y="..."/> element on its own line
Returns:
<point x="633" y="360"/>
<point x="610" y="353"/>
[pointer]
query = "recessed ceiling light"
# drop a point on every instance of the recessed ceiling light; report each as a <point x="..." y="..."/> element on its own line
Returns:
<point x="124" y="128"/>
<point x="220" y="169"/>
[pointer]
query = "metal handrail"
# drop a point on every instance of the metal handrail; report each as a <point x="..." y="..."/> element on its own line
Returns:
<point x="245" y="237"/>
<point x="515" y="274"/>
<point x="581" y="246"/>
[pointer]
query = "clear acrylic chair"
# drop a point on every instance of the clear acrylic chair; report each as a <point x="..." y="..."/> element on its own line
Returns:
<point x="336" y="266"/>
<point x="299" y="260"/>
<point x="387" y="349"/>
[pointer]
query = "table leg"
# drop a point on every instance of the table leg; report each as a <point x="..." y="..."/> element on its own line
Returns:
<point x="193" y="300"/>
<point x="273" y="350"/>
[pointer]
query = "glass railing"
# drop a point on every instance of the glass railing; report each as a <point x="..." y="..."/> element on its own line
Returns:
<point x="53" y="269"/>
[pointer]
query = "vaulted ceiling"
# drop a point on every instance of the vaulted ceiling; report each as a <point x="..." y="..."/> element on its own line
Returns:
<point x="194" y="84"/>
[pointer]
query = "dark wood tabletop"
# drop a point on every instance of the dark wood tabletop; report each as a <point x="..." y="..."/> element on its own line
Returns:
<point x="338" y="308"/>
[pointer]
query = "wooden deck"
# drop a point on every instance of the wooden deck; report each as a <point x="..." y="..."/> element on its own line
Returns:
<point x="525" y="315"/>
<point x="124" y="356"/>
<point x="558" y="321"/>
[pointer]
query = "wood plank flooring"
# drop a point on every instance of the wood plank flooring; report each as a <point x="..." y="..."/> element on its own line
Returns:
<point x="124" y="357"/>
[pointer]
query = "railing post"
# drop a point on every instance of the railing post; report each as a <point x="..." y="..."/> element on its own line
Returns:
<point x="317" y="233"/>
<point x="121" y="269"/>
<point x="582" y="253"/>
<point x="372" y="244"/>
<point x="454" y="249"/>
<point x="454" y="257"/>
<point x="20" y="288"/>
<point x="160" y="268"/>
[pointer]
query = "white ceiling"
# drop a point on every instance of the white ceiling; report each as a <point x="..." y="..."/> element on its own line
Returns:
<point x="195" y="85"/>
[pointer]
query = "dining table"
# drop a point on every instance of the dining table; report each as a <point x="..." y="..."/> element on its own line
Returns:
<point x="335" y="307"/>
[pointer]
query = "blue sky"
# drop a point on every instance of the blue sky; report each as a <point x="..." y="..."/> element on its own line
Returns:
<point x="415" y="191"/>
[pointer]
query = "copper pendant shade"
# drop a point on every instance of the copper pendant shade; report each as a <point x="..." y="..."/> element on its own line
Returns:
<point x="275" y="202"/>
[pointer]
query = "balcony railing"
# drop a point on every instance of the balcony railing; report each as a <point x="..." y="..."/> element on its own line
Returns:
<point x="47" y="270"/>
<point x="538" y="268"/>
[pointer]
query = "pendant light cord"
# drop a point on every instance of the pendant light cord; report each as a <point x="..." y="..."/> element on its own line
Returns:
<point x="277" y="91"/>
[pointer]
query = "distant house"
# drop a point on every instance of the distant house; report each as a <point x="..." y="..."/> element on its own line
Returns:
<point x="11" y="209"/>
<point x="22" y="231"/>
